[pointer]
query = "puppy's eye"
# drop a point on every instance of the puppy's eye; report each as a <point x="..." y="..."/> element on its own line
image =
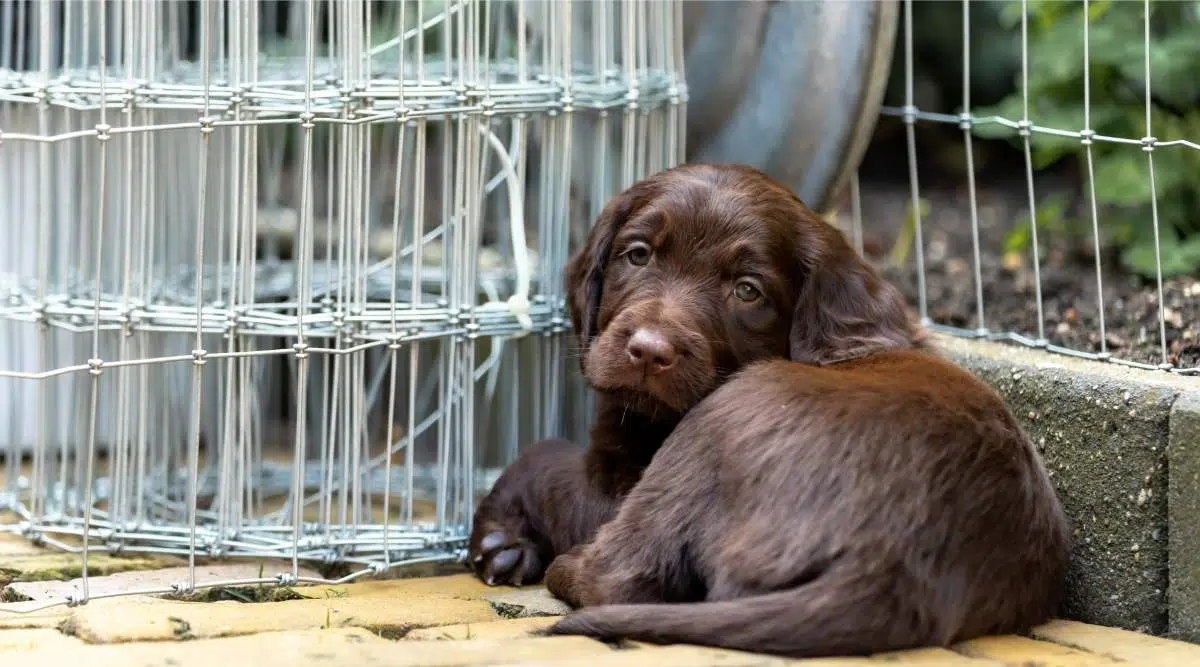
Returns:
<point x="638" y="254"/>
<point x="747" y="291"/>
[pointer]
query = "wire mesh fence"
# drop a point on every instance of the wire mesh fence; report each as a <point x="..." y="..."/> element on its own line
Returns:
<point x="1030" y="130"/>
<point x="282" y="279"/>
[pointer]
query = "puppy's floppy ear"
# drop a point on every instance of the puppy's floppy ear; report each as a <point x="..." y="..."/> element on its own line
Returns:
<point x="585" y="269"/>
<point x="844" y="309"/>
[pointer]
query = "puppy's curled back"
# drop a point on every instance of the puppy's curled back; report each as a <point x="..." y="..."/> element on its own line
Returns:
<point x="883" y="503"/>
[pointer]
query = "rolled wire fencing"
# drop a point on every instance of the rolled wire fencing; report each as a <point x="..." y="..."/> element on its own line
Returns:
<point x="1028" y="129"/>
<point x="283" y="279"/>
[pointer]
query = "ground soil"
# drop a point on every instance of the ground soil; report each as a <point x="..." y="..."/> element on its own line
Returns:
<point x="1068" y="267"/>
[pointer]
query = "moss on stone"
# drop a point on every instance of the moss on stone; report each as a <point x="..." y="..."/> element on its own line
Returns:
<point x="64" y="567"/>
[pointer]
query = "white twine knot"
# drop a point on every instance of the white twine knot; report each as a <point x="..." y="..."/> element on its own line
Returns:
<point x="519" y="306"/>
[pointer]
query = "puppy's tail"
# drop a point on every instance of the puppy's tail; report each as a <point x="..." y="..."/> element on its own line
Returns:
<point x="812" y="620"/>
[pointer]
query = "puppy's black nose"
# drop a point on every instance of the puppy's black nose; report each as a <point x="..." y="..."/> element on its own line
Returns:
<point x="650" y="351"/>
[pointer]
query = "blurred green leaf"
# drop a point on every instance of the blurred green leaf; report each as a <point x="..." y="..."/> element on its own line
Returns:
<point x="1018" y="238"/>
<point x="1122" y="178"/>
<point x="1179" y="257"/>
<point x="1116" y="55"/>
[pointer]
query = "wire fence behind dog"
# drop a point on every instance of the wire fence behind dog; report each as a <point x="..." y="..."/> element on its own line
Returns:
<point x="267" y="272"/>
<point x="1030" y="129"/>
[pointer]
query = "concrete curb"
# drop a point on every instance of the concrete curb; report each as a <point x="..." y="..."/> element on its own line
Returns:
<point x="1123" y="447"/>
<point x="1183" y="516"/>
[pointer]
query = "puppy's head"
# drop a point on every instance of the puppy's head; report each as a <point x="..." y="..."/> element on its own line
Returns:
<point x="698" y="270"/>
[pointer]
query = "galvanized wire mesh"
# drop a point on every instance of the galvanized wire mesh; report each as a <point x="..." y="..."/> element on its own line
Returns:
<point x="1029" y="130"/>
<point x="284" y="279"/>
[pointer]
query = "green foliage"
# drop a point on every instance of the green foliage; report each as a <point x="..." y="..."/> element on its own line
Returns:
<point x="1052" y="219"/>
<point x="1118" y="109"/>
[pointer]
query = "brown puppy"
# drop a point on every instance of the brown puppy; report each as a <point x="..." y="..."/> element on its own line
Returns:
<point x="877" y="504"/>
<point x="685" y="278"/>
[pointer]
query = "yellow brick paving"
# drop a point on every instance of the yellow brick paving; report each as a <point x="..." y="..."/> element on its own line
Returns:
<point x="442" y="621"/>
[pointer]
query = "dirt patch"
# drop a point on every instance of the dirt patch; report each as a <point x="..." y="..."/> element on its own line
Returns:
<point x="389" y="632"/>
<point x="10" y="595"/>
<point x="181" y="628"/>
<point x="1070" y="297"/>
<point x="246" y="594"/>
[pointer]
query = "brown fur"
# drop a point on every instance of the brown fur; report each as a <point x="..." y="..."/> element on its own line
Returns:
<point x="884" y="503"/>
<point x="706" y="227"/>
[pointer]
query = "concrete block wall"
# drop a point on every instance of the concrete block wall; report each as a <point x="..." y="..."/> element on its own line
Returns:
<point x="1123" y="447"/>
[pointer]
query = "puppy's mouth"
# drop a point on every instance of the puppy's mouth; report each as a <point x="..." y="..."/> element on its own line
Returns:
<point x="645" y="394"/>
<point x="648" y="371"/>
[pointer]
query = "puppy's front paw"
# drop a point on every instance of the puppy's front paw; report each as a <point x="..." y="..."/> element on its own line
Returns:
<point x="500" y="555"/>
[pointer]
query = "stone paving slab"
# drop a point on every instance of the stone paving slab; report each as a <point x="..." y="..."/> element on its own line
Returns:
<point x="505" y="629"/>
<point x="926" y="657"/>
<point x="18" y="641"/>
<point x="1022" y="650"/>
<point x="46" y="621"/>
<point x="317" y="648"/>
<point x="465" y="586"/>
<point x="30" y="615"/>
<point x="668" y="656"/>
<point x="49" y="565"/>
<point x="449" y="621"/>
<point x="57" y="612"/>
<point x="1121" y="644"/>
<point x="195" y="620"/>
<point x="141" y="580"/>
